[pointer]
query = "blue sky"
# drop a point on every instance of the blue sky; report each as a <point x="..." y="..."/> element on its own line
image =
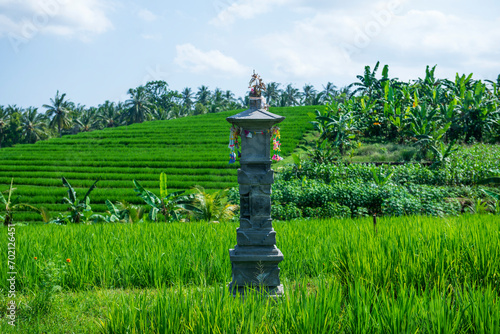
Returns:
<point x="95" y="50"/>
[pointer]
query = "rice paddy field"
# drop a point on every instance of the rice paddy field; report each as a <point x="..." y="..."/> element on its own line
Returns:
<point x="191" y="151"/>
<point x="412" y="275"/>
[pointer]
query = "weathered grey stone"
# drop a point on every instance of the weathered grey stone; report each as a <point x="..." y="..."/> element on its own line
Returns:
<point x="255" y="258"/>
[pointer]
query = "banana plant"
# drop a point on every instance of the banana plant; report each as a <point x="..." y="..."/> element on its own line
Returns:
<point x="336" y="125"/>
<point x="170" y="205"/>
<point x="492" y="179"/>
<point x="11" y="204"/>
<point x="495" y="207"/>
<point x="79" y="210"/>
<point x="441" y="153"/>
<point x="379" y="178"/>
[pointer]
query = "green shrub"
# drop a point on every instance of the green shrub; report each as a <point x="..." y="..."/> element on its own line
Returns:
<point x="285" y="212"/>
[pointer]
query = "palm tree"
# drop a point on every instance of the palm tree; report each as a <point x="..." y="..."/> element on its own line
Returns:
<point x="12" y="109"/>
<point x="272" y="93"/>
<point x="210" y="207"/>
<point x="108" y="114"/>
<point x="329" y="89"/>
<point x="33" y="125"/>
<point x="308" y="95"/>
<point x="139" y="106"/>
<point x="58" y="113"/>
<point x="290" y="96"/>
<point x="4" y="121"/>
<point x="244" y="101"/>
<point x="217" y="101"/>
<point x="229" y="98"/>
<point x="203" y="95"/>
<point x="187" y="99"/>
<point x="87" y="120"/>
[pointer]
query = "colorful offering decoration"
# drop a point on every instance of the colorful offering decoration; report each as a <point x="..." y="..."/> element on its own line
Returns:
<point x="276" y="144"/>
<point x="233" y="144"/>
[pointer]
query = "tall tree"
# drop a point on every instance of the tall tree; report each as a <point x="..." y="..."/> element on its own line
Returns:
<point x="139" y="106"/>
<point x="33" y="125"/>
<point x="272" y="93"/>
<point x="308" y="95"/>
<point x="4" y="121"/>
<point x="290" y="96"/>
<point x="58" y="113"/>
<point x="203" y="95"/>
<point x="187" y="99"/>
<point x="108" y="114"/>
<point x="329" y="91"/>
<point x="87" y="120"/>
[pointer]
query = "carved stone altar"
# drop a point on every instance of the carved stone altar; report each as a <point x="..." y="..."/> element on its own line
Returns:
<point x="255" y="258"/>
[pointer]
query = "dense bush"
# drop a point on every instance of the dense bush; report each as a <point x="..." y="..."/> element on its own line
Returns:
<point x="466" y="167"/>
<point x="314" y="198"/>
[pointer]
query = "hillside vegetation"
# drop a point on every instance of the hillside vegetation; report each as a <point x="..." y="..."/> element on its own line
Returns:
<point x="191" y="151"/>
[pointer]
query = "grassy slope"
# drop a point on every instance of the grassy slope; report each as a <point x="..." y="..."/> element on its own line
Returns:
<point x="192" y="151"/>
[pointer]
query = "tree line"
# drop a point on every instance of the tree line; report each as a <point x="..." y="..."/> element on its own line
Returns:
<point x="152" y="101"/>
<point x="422" y="109"/>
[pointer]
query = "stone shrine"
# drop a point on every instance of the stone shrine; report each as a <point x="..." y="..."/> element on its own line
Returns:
<point x="255" y="258"/>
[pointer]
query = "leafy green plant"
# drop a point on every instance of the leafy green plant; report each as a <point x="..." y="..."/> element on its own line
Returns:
<point x="478" y="207"/>
<point x="211" y="207"/>
<point x="11" y="204"/>
<point x="379" y="178"/>
<point x="123" y="212"/>
<point x="170" y="205"/>
<point x="495" y="206"/>
<point x="80" y="211"/>
<point x="441" y="153"/>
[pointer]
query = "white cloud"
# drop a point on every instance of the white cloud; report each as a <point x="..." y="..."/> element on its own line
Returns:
<point x="152" y="36"/>
<point x="244" y="9"/>
<point x="213" y="61"/>
<point x="72" y="18"/>
<point x="339" y="43"/>
<point x="146" y="15"/>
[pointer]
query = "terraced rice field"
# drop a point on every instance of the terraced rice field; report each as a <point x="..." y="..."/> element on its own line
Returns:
<point x="191" y="151"/>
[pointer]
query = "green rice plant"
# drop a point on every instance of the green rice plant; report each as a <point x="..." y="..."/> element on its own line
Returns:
<point x="308" y="306"/>
<point x="412" y="251"/>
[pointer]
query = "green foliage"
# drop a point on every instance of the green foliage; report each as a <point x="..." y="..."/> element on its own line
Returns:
<point x="285" y="212"/>
<point x="80" y="211"/>
<point x="11" y="204"/>
<point x="379" y="178"/>
<point x="353" y="197"/>
<point x="51" y="275"/>
<point x="196" y="254"/>
<point x="211" y="207"/>
<point x="335" y="125"/>
<point x="170" y="205"/>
